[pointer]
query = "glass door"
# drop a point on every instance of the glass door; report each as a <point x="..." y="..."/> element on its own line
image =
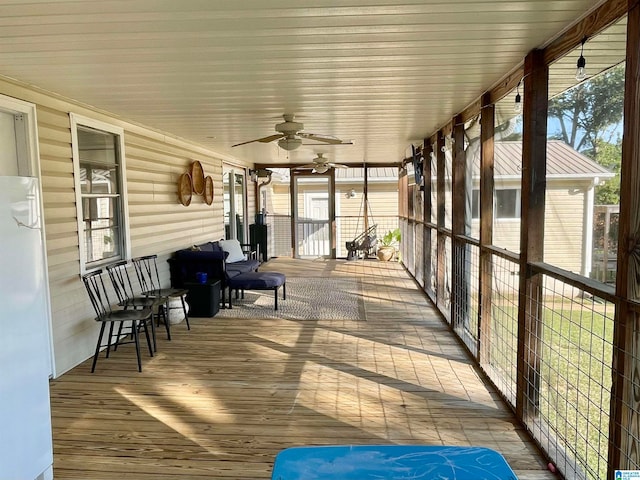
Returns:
<point x="234" y="205"/>
<point x="312" y="214"/>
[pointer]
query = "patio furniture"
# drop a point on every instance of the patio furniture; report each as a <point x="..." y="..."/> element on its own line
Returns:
<point x="209" y="258"/>
<point x="123" y="288"/>
<point x="147" y="273"/>
<point x="259" y="281"/>
<point x="203" y="298"/>
<point x="106" y="315"/>
<point x="364" y="243"/>
<point x="391" y="462"/>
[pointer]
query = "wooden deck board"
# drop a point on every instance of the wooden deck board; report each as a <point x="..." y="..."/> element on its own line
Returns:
<point x="221" y="400"/>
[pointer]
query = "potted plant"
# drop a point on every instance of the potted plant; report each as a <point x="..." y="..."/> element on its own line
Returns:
<point x="388" y="245"/>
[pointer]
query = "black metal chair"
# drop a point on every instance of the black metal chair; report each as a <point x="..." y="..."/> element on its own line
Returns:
<point x="122" y="285"/>
<point x="106" y="315"/>
<point x="147" y="273"/>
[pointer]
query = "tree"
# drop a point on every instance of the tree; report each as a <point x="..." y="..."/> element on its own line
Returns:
<point x="609" y="155"/>
<point x="589" y="118"/>
<point x="589" y="113"/>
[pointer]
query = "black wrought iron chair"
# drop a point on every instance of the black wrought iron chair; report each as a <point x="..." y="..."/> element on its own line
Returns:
<point x="123" y="288"/>
<point x="105" y="314"/>
<point x="147" y="273"/>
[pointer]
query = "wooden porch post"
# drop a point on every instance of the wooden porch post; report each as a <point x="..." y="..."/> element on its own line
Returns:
<point x="426" y="213"/>
<point x="487" y="130"/>
<point x="534" y="168"/>
<point x="292" y="195"/>
<point x="625" y="399"/>
<point x="459" y="300"/>
<point x="440" y="218"/>
<point x="365" y="195"/>
<point x="332" y="214"/>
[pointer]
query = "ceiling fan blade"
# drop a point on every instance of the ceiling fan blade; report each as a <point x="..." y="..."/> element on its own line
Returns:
<point x="337" y="165"/>
<point x="323" y="138"/>
<point x="268" y="139"/>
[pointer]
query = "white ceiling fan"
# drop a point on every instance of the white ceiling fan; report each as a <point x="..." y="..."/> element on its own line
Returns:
<point x="290" y="135"/>
<point x="320" y="165"/>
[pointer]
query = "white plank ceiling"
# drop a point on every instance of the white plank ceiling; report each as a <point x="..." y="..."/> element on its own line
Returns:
<point x="383" y="73"/>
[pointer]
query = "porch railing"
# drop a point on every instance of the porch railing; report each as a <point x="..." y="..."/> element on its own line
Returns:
<point x="563" y="386"/>
<point x="313" y="237"/>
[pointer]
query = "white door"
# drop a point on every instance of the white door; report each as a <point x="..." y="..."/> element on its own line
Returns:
<point x="313" y="232"/>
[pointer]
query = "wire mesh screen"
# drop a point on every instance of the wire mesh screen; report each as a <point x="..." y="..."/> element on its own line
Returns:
<point x="281" y="234"/>
<point x="465" y="285"/>
<point x="444" y="297"/>
<point x="408" y="240"/>
<point x="432" y="282"/>
<point x="419" y="253"/>
<point x="630" y="400"/>
<point x="501" y="328"/>
<point x="573" y="345"/>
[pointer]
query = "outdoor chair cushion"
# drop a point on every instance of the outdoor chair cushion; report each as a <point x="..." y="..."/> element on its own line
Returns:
<point x="233" y="249"/>
<point x="257" y="280"/>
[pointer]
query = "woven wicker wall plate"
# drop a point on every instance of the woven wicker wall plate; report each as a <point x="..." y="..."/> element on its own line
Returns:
<point x="197" y="177"/>
<point x="185" y="189"/>
<point x="208" y="190"/>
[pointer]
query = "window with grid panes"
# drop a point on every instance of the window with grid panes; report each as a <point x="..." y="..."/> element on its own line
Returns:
<point x="98" y="163"/>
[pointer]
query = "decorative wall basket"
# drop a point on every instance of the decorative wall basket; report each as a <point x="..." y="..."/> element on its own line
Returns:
<point x="195" y="182"/>
<point x="208" y="190"/>
<point x="197" y="177"/>
<point x="185" y="189"/>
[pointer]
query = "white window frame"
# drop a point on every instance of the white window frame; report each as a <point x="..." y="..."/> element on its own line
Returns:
<point x="76" y="121"/>
<point x="233" y="231"/>
<point x="516" y="205"/>
<point x="495" y="208"/>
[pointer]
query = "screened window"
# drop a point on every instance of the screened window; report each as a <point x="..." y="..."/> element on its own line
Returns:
<point x="507" y="203"/>
<point x="98" y="166"/>
<point x="475" y="204"/>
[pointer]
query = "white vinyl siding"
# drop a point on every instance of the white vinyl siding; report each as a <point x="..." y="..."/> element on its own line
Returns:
<point x="158" y="223"/>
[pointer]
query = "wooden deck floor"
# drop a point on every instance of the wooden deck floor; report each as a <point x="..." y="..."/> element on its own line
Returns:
<point x="221" y="400"/>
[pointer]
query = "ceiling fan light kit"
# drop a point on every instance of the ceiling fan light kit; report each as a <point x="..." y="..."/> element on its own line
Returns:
<point x="290" y="136"/>
<point x="289" y="143"/>
<point x="320" y="165"/>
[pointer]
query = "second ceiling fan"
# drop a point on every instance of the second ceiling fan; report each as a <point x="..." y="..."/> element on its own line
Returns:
<point x="320" y="165"/>
<point x="290" y="135"/>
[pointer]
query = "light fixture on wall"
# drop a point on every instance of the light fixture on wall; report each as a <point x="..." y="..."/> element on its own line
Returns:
<point x="450" y="139"/>
<point x="351" y="193"/>
<point x="581" y="73"/>
<point x="517" y="105"/>
<point x="256" y="175"/>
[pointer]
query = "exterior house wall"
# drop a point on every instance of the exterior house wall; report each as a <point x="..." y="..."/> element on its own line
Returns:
<point x="278" y="199"/>
<point x="383" y="198"/>
<point x="564" y="224"/>
<point x="382" y="208"/>
<point x="158" y="223"/>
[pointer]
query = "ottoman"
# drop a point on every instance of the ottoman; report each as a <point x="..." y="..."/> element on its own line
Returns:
<point x="259" y="281"/>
